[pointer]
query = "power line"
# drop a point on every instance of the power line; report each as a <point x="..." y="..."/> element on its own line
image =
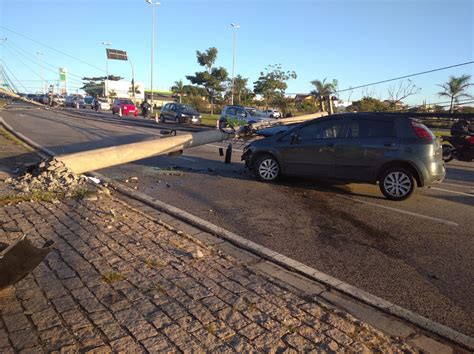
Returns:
<point x="406" y="76"/>
<point x="38" y="59"/>
<point x="5" y="66"/>
<point x="36" y="63"/>
<point x="52" y="48"/>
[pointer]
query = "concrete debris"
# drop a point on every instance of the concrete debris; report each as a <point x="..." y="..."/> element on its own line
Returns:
<point x="48" y="176"/>
<point x="93" y="179"/>
<point x="168" y="171"/>
<point x="198" y="254"/>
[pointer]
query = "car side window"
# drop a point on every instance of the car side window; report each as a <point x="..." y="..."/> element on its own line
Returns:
<point x="329" y="129"/>
<point x="371" y="128"/>
<point x="165" y="107"/>
<point x="240" y="113"/>
<point x="230" y="111"/>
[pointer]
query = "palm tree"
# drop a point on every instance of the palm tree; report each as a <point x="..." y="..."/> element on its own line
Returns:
<point x="322" y="92"/>
<point x="239" y="85"/>
<point x="455" y="88"/>
<point x="178" y="89"/>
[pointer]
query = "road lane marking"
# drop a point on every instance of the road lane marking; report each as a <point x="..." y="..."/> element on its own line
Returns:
<point x="187" y="158"/>
<point x="442" y="221"/>
<point x="217" y="146"/>
<point x="449" y="191"/>
<point x="457" y="185"/>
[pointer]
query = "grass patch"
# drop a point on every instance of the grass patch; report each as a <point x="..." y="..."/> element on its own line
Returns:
<point x="112" y="277"/>
<point x="209" y="120"/>
<point x="15" y="140"/>
<point x="44" y="196"/>
<point x="81" y="193"/>
<point x="211" y="328"/>
<point x="160" y="288"/>
<point x="41" y="196"/>
<point x="154" y="263"/>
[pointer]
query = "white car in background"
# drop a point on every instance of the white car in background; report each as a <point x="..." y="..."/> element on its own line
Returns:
<point x="104" y="104"/>
<point x="272" y="113"/>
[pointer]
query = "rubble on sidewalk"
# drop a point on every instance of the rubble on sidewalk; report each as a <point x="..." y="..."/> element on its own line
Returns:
<point x="48" y="176"/>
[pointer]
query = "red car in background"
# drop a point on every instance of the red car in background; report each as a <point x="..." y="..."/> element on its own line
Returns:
<point x="126" y="106"/>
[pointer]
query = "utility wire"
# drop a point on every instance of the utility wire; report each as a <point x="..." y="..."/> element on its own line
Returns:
<point x="406" y="76"/>
<point x="38" y="59"/>
<point x="36" y="63"/>
<point x="52" y="48"/>
<point x="5" y="66"/>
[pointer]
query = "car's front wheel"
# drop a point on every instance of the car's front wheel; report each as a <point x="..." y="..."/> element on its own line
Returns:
<point x="397" y="183"/>
<point x="266" y="168"/>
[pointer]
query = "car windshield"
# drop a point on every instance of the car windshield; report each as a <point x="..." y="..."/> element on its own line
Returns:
<point x="88" y="99"/>
<point x="185" y="107"/>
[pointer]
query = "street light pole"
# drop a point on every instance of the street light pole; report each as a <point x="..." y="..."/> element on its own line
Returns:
<point x="106" y="84"/>
<point x="152" y="43"/>
<point x="236" y="27"/>
<point x="41" y="73"/>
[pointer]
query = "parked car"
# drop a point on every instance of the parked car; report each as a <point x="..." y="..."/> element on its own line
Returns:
<point x="180" y="113"/>
<point x="125" y="105"/>
<point x="272" y="113"/>
<point x="394" y="150"/>
<point x="104" y="104"/>
<point x="240" y="115"/>
<point x="87" y="103"/>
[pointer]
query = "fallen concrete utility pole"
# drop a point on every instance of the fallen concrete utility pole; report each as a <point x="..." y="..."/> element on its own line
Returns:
<point x="18" y="97"/>
<point x="92" y="160"/>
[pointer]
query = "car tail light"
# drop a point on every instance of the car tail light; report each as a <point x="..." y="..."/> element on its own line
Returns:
<point x="470" y="140"/>
<point x="422" y="132"/>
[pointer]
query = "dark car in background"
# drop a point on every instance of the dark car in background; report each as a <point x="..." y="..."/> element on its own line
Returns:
<point x="394" y="150"/>
<point x="180" y="113"/>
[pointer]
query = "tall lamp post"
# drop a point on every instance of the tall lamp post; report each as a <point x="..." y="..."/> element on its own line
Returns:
<point x="236" y="27"/>
<point x="153" y="4"/>
<point x="106" y="84"/>
<point x="41" y="72"/>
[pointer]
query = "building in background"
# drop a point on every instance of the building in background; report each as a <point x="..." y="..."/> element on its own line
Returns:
<point x="123" y="89"/>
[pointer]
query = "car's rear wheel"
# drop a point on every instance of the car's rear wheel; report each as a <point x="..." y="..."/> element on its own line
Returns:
<point x="266" y="168"/>
<point x="397" y="183"/>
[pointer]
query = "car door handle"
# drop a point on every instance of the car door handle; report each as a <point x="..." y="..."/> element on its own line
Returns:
<point x="389" y="144"/>
<point x="330" y="144"/>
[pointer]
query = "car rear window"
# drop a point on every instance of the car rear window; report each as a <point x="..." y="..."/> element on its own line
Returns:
<point x="126" y="102"/>
<point x="371" y="128"/>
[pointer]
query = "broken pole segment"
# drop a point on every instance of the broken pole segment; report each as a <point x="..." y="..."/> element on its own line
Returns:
<point x="92" y="160"/>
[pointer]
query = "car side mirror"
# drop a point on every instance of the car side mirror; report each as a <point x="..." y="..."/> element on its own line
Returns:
<point x="293" y="138"/>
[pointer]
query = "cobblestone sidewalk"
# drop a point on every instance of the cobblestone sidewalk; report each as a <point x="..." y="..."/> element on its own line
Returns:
<point x="120" y="281"/>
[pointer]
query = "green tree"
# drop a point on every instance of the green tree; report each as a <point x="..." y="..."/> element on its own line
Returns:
<point x="178" y="89"/>
<point x="455" y="89"/>
<point x="323" y="91"/>
<point x="240" y="84"/>
<point x="272" y="82"/>
<point x="95" y="85"/>
<point x="212" y="78"/>
<point x="367" y="104"/>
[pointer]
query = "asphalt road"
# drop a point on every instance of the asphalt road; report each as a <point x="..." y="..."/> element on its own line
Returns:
<point x="418" y="254"/>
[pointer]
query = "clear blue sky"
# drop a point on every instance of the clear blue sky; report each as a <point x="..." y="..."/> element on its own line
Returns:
<point x="356" y="42"/>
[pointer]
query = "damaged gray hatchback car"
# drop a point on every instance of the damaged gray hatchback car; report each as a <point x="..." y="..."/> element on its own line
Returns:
<point x="394" y="150"/>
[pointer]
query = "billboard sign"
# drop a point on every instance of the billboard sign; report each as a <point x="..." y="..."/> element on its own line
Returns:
<point x="116" y="54"/>
<point x="62" y="74"/>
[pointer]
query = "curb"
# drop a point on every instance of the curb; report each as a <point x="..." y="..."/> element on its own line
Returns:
<point x="277" y="258"/>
